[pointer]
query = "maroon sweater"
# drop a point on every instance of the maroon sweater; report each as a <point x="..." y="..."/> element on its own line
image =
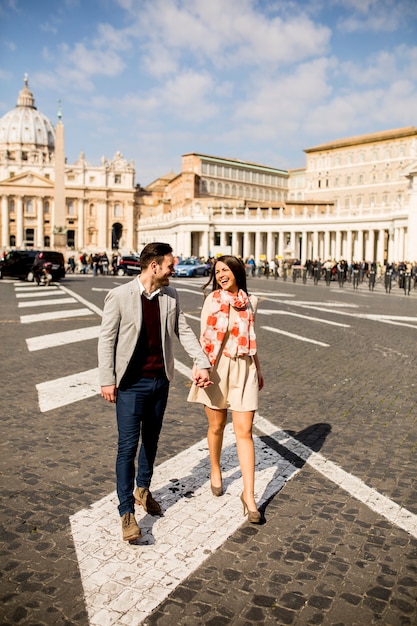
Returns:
<point x="147" y="360"/>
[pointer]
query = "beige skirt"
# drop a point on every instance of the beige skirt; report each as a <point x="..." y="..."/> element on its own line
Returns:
<point x="235" y="385"/>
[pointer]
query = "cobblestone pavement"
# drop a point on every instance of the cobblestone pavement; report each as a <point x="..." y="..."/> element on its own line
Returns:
<point x="323" y="555"/>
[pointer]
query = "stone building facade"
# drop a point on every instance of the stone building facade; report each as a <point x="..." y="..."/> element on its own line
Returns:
<point x="47" y="203"/>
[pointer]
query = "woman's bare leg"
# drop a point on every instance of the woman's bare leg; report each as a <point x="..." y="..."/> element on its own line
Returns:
<point x="242" y="425"/>
<point x="216" y="424"/>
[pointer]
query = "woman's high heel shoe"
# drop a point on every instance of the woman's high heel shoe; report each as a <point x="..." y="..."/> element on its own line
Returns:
<point x="253" y="516"/>
<point x="216" y="491"/>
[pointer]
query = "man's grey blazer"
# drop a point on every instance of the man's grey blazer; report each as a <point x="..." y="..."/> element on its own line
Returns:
<point x="121" y="325"/>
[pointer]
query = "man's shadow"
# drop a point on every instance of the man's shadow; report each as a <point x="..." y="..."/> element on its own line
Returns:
<point x="283" y="443"/>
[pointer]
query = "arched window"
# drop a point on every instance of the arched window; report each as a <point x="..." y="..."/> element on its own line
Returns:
<point x="212" y="187"/>
<point x="116" y="235"/>
<point x="233" y="190"/>
<point x="227" y="189"/>
<point x="47" y="241"/>
<point x="240" y="191"/>
<point x="219" y="189"/>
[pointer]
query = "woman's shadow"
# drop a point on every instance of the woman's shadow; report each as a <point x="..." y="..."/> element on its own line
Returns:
<point x="280" y="449"/>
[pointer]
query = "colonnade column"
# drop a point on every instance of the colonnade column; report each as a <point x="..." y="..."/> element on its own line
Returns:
<point x="338" y="250"/>
<point x="303" y="247"/>
<point x="4" y="221"/>
<point x="281" y="243"/>
<point x="235" y="243"/>
<point x="401" y="255"/>
<point x="269" y="241"/>
<point x="315" y="245"/>
<point x="246" y="243"/>
<point x="326" y="245"/>
<point x="102" y="226"/>
<point x="257" y="253"/>
<point x="349" y="256"/>
<point x="19" y="221"/>
<point x="39" y="223"/>
<point x="370" y="252"/>
<point x="380" y="247"/>
<point x="81" y="226"/>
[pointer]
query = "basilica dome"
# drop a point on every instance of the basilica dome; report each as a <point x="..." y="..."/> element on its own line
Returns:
<point x="25" y="130"/>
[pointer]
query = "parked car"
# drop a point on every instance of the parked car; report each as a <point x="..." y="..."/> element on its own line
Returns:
<point x="17" y="263"/>
<point x="23" y="264"/>
<point x="128" y="265"/>
<point x="192" y="267"/>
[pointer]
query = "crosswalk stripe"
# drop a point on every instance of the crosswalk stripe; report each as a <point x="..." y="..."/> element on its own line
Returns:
<point x="59" y="392"/>
<point x="39" y="294"/>
<point x="36" y="303"/>
<point x="54" y="315"/>
<point x="294" y="336"/>
<point x="53" y="340"/>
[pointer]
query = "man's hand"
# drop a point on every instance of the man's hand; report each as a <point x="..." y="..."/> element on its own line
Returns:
<point x="109" y="393"/>
<point x="201" y="377"/>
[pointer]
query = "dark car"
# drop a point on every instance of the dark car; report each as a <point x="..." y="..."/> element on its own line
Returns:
<point x="17" y="263"/>
<point x="128" y="265"/>
<point x="192" y="267"/>
<point x="24" y="264"/>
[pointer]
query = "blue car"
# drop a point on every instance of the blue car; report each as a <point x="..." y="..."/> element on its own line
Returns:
<point x="192" y="267"/>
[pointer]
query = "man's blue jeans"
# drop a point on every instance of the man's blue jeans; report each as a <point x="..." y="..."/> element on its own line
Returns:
<point x="140" y="407"/>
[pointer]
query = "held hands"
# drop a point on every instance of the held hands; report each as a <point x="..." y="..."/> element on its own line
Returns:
<point x="201" y="378"/>
<point x="109" y="393"/>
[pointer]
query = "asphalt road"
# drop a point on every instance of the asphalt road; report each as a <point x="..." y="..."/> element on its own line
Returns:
<point x="339" y="542"/>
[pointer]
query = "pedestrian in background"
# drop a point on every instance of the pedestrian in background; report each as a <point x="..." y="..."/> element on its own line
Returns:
<point x="228" y="338"/>
<point x="136" y="365"/>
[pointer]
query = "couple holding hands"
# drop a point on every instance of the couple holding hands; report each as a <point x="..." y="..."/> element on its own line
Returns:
<point x="136" y="365"/>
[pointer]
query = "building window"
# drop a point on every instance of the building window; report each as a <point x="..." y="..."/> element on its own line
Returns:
<point x="29" y="236"/>
<point x="347" y="203"/>
<point x="71" y="238"/>
<point x="91" y="210"/>
<point x="267" y="195"/>
<point x="220" y="170"/>
<point x="360" y="179"/>
<point x="240" y="175"/>
<point x="219" y="189"/>
<point x="12" y="241"/>
<point x="212" y="169"/>
<point x="47" y="241"/>
<point x="117" y="210"/>
<point x="46" y="208"/>
<point x="227" y="172"/>
<point x="267" y="179"/>
<point x="204" y="186"/>
<point x="204" y="168"/>
<point x="274" y="196"/>
<point x="11" y="206"/>
<point x="227" y="189"/>
<point x="70" y="178"/>
<point x="117" y="179"/>
<point x="240" y="191"/>
<point x="247" y="176"/>
<point x="29" y="206"/>
<point x="47" y="176"/>
<point x="217" y="239"/>
<point x="261" y="194"/>
<point x="254" y="177"/>
<point x="233" y="190"/>
<point x="70" y="208"/>
<point x="92" y="179"/>
<point x="212" y="188"/>
<point x="347" y="180"/>
<point x="234" y="173"/>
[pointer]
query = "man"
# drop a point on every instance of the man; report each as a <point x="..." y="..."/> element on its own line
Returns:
<point x="136" y="365"/>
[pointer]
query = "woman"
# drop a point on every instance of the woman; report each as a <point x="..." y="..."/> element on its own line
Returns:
<point x="228" y="338"/>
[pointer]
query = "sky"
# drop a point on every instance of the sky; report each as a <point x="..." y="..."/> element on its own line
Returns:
<point x="255" y="80"/>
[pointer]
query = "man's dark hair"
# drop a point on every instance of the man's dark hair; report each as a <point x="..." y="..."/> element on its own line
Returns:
<point x="154" y="252"/>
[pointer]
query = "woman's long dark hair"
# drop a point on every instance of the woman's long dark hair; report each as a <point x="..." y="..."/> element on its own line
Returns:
<point x="238" y="269"/>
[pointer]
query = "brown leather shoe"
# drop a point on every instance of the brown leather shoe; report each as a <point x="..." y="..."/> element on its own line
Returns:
<point x="144" y="497"/>
<point x="130" y="528"/>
